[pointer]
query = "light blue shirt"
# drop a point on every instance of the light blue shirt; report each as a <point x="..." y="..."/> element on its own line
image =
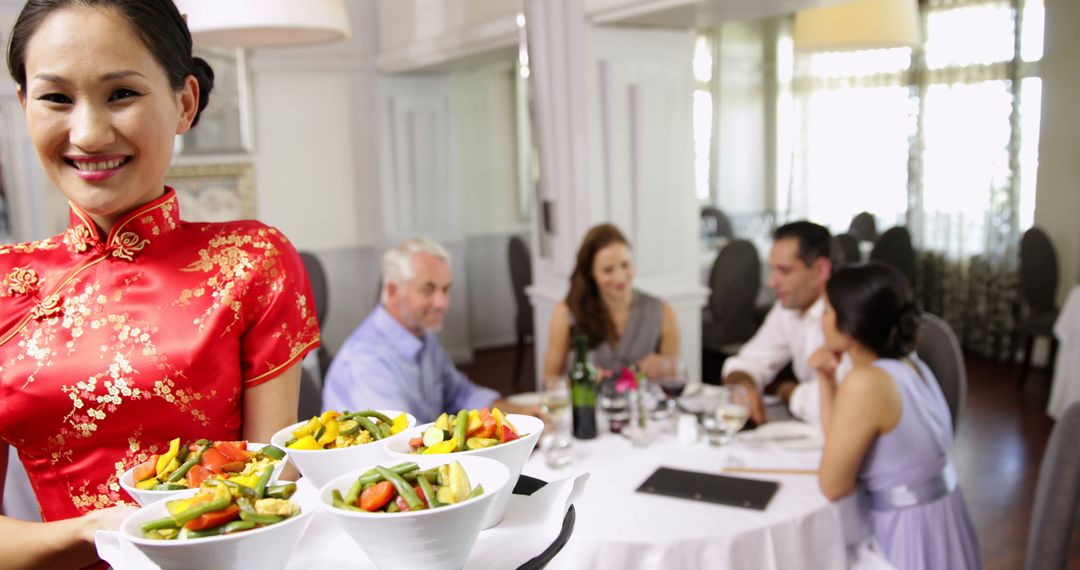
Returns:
<point x="384" y="366"/>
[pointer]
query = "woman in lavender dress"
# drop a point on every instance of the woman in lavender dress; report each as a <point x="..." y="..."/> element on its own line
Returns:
<point x="887" y="425"/>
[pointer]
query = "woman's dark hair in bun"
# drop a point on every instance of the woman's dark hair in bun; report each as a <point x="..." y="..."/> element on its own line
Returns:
<point x="874" y="305"/>
<point x="157" y="23"/>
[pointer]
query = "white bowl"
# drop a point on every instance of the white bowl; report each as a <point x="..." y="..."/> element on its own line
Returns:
<point x="145" y="497"/>
<point x="321" y="465"/>
<point x="429" y="539"/>
<point x="513" y="455"/>
<point x="265" y="548"/>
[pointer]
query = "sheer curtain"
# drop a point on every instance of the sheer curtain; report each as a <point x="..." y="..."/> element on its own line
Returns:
<point x="943" y="140"/>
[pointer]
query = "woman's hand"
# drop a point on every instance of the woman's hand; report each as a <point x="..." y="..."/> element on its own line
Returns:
<point x="104" y="519"/>
<point x="652" y="365"/>
<point x="825" y="362"/>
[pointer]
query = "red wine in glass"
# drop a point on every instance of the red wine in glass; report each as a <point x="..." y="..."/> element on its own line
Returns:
<point x="672" y="388"/>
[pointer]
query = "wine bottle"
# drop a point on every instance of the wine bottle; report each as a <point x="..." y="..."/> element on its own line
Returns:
<point x="583" y="391"/>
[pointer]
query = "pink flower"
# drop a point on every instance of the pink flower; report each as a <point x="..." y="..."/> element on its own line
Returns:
<point x="627" y="380"/>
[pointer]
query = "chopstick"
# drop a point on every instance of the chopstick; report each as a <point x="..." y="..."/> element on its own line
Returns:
<point x="770" y="471"/>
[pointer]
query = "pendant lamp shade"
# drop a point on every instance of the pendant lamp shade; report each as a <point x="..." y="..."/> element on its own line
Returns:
<point x="263" y="23"/>
<point x="862" y="24"/>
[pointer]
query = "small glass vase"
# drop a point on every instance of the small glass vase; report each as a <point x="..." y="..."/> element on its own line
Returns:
<point x="638" y="427"/>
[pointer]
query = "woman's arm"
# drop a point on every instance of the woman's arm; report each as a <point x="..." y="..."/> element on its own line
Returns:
<point x="864" y="406"/>
<point x="669" y="333"/>
<point x="558" y="341"/>
<point x="61" y="544"/>
<point x="271" y="405"/>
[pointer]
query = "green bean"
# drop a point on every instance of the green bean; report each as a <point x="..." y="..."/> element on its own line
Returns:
<point x="281" y="491"/>
<point x="354" y="492"/>
<point x="192" y="460"/>
<point x="232" y="485"/>
<point x="370" y="427"/>
<point x="261" y="519"/>
<point x="227" y="528"/>
<point x="403" y="488"/>
<point x="372" y="476"/>
<point x="159" y="524"/>
<point x="460" y="426"/>
<point x="181" y="518"/>
<point x="384" y="428"/>
<point x="341" y="504"/>
<point x="429" y="493"/>
<point x="264" y="478"/>
<point x="168" y="487"/>
<point x="373" y="414"/>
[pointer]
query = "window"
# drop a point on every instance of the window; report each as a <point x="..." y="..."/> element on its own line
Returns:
<point x="942" y="139"/>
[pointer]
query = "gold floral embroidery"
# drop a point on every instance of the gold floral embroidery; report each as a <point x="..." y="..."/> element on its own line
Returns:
<point x="81" y="238"/>
<point x="48" y="307"/>
<point x="127" y="244"/>
<point x="22" y="281"/>
<point x="31" y="247"/>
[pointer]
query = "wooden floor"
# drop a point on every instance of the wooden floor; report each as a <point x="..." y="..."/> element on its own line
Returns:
<point x="999" y="446"/>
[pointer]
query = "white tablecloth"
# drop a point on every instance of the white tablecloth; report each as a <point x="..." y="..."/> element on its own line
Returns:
<point x="1066" y="386"/>
<point x="618" y="528"/>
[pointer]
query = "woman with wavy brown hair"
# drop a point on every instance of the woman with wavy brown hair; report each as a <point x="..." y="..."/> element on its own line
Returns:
<point x="625" y="326"/>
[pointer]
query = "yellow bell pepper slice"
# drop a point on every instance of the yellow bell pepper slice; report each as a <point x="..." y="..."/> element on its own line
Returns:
<point x="442" y="447"/>
<point x="306" y="442"/>
<point x="500" y="420"/>
<point x="308" y="428"/>
<point x="249" y="481"/>
<point x="475" y="422"/>
<point x="179" y="505"/>
<point x="400" y="423"/>
<point x="330" y="433"/>
<point x="168" y="456"/>
<point x="328" y="415"/>
<point x="147" y="484"/>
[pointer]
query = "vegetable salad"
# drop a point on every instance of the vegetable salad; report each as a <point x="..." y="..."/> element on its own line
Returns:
<point x="334" y="429"/>
<point x="466" y="431"/>
<point x="405" y="487"/>
<point x="187" y="466"/>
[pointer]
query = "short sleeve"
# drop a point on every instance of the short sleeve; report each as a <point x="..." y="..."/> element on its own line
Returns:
<point x="278" y="308"/>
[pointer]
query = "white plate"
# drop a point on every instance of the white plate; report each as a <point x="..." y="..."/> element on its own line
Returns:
<point x="525" y="399"/>
<point x="790" y="435"/>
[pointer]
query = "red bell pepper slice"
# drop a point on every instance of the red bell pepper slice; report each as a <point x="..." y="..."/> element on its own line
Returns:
<point x="506" y="434"/>
<point x="376" y="496"/>
<point x="488" y="429"/>
<point x="146" y="469"/>
<point x="196" y="475"/>
<point x="216" y="518"/>
<point x="233" y="451"/>
<point x="213" y="459"/>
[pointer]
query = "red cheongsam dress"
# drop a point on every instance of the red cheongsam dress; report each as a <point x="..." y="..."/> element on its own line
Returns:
<point x="110" y="346"/>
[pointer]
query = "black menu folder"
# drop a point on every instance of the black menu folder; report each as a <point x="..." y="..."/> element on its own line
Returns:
<point x="731" y="491"/>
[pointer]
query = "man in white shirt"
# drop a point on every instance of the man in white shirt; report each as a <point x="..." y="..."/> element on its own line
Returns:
<point x="799" y="268"/>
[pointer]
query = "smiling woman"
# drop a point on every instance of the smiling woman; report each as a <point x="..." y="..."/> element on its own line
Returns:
<point x="133" y="325"/>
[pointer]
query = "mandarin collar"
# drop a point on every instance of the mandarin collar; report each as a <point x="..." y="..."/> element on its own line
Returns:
<point x="130" y="234"/>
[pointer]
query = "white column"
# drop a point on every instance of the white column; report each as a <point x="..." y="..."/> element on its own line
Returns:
<point x="613" y="110"/>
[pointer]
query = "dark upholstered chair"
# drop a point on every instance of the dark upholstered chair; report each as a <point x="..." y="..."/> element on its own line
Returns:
<point x="939" y="348"/>
<point x="1057" y="496"/>
<point x="520" y="278"/>
<point x="848" y="246"/>
<point x="894" y="248"/>
<point x="718" y="222"/>
<point x="1038" y="289"/>
<point x="864" y="227"/>
<point x="729" y="319"/>
<point x="311" y="385"/>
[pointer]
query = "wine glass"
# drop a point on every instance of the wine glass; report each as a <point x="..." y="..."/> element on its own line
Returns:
<point x="555" y="404"/>
<point x="671" y="376"/>
<point x="733" y="412"/>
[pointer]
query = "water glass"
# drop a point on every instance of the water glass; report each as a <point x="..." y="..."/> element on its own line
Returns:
<point x="733" y="412"/>
<point x="557" y="441"/>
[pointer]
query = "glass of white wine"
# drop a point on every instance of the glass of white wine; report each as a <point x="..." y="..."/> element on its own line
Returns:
<point x="733" y="412"/>
<point x="557" y="442"/>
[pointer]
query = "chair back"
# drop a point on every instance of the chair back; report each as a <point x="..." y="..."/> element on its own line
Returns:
<point x="939" y="348"/>
<point x="718" y="220"/>
<point x="317" y="278"/>
<point x="864" y="226"/>
<point x="1057" y="496"/>
<point x="848" y="246"/>
<point x="1038" y="271"/>
<point x="894" y="247"/>
<point x="310" y="395"/>
<point x="520" y="278"/>
<point x="734" y="280"/>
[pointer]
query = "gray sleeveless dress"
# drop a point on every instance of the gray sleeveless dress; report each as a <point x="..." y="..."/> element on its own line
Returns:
<point x="640" y="338"/>
<point x="919" y="515"/>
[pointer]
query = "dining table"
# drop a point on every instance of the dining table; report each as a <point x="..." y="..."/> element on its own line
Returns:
<point x="618" y="527"/>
